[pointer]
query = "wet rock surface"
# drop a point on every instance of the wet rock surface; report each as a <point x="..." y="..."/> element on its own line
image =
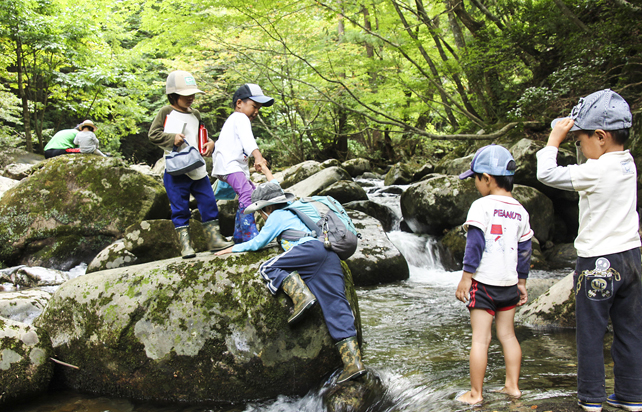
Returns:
<point x="201" y="330"/>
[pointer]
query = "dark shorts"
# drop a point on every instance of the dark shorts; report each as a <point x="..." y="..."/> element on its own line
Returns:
<point x="492" y="298"/>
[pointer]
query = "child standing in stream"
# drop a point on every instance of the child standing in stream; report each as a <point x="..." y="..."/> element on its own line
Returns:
<point x="496" y="265"/>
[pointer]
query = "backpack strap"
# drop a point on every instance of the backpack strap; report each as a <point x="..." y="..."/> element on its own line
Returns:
<point x="306" y="220"/>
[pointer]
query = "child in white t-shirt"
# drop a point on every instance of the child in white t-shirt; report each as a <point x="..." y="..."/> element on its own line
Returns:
<point x="496" y="265"/>
<point x="234" y="147"/>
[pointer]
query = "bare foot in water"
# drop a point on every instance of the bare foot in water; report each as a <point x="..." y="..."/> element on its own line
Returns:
<point x="515" y="393"/>
<point x="469" y="399"/>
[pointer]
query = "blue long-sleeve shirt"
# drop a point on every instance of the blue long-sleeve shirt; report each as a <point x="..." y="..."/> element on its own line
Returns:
<point x="278" y="221"/>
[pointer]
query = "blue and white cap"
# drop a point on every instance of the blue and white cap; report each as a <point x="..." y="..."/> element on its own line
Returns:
<point x="604" y="110"/>
<point x="492" y="159"/>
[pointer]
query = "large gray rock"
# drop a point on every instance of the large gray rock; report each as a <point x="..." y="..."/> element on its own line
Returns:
<point x="299" y="172"/>
<point x="345" y="191"/>
<point x="454" y="166"/>
<point x="386" y="216"/>
<point x="561" y="256"/>
<point x="319" y="181"/>
<point x="18" y="171"/>
<point x="23" y="306"/>
<point x="540" y="210"/>
<point x="71" y="207"/>
<point x="6" y="184"/>
<point x="18" y="156"/>
<point x="357" y="167"/>
<point x="152" y="240"/>
<point x="400" y="174"/>
<point x="29" y="277"/>
<point x="438" y="203"/>
<point x="376" y="260"/>
<point x="554" y="308"/>
<point x="25" y="368"/>
<point x="200" y="330"/>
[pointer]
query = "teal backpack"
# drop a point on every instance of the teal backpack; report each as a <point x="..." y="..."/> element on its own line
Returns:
<point x="328" y="221"/>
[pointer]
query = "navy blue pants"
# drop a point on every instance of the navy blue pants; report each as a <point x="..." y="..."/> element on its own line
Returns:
<point x="609" y="286"/>
<point x="178" y="190"/>
<point x="321" y="270"/>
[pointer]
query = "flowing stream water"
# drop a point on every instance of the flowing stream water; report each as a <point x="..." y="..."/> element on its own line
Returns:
<point x="416" y="338"/>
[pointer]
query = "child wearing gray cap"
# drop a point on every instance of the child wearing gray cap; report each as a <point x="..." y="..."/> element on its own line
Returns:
<point x="607" y="277"/>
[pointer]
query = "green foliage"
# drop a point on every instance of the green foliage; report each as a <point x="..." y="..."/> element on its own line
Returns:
<point x="344" y="74"/>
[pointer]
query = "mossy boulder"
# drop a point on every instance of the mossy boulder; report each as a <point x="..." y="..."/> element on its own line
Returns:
<point x="400" y="174"/>
<point x="386" y="216"/>
<point x="540" y="210"/>
<point x="299" y="172"/>
<point x="319" y="181"/>
<point x="152" y="240"/>
<point x="376" y="260"/>
<point x="552" y="309"/>
<point x="357" y="167"/>
<point x="199" y="330"/>
<point x="71" y="207"/>
<point x="438" y="203"/>
<point x="357" y="395"/>
<point x="113" y="256"/>
<point x="454" y="166"/>
<point x="561" y="256"/>
<point x="25" y="368"/>
<point x="345" y="191"/>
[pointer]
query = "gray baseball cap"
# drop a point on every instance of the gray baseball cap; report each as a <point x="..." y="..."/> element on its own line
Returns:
<point x="182" y="83"/>
<point x="604" y="110"/>
<point x="267" y="194"/>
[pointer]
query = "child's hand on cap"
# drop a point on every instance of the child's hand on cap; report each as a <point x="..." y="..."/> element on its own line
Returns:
<point x="560" y="131"/>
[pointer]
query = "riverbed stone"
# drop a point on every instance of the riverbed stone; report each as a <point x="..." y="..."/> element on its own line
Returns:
<point x="376" y="260"/>
<point x="357" y="167"/>
<point x="552" y="309"/>
<point x="384" y="214"/>
<point x="561" y="256"/>
<point x="113" y="256"/>
<point x="36" y="276"/>
<point x="400" y="174"/>
<point x="24" y="305"/>
<point x="540" y="210"/>
<point x="355" y="395"/>
<point x="299" y="172"/>
<point x="345" y="191"/>
<point x="438" y="203"/>
<point x="319" y="181"/>
<point x="71" y="207"/>
<point x="18" y="171"/>
<point x="199" y="330"/>
<point x="25" y="368"/>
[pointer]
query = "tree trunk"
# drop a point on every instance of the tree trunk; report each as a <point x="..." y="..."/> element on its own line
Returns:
<point x="26" y="118"/>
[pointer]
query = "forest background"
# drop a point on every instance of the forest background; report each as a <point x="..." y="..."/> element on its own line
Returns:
<point x="381" y="79"/>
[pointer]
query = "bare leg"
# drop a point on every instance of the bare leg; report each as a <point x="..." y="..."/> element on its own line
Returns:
<point x="481" y="321"/>
<point x="512" y="351"/>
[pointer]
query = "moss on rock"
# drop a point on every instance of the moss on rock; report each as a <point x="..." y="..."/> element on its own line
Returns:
<point x="72" y="197"/>
<point x="204" y="329"/>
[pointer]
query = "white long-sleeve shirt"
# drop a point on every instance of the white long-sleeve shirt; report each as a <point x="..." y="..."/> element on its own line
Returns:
<point x="608" y="199"/>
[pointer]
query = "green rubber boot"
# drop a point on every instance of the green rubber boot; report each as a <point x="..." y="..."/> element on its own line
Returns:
<point x="351" y="357"/>
<point x="186" y="246"/>
<point x="215" y="241"/>
<point x="301" y="296"/>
